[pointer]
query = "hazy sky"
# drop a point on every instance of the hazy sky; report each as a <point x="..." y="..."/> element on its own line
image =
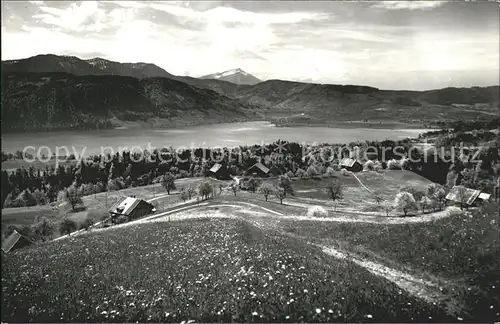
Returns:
<point x="396" y="45"/>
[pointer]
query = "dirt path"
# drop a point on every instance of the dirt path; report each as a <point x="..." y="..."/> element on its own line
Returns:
<point x="361" y="183"/>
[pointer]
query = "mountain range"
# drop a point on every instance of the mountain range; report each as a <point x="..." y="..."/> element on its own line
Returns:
<point x="55" y="92"/>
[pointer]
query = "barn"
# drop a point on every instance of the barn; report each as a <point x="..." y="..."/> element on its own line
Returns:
<point x="15" y="241"/>
<point x="220" y="172"/>
<point x="258" y="169"/>
<point x="352" y="165"/>
<point x="132" y="208"/>
<point x="469" y="197"/>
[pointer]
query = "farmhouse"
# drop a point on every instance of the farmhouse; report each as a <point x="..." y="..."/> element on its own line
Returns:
<point x="132" y="208"/>
<point x="15" y="241"/>
<point x="352" y="165"/>
<point x="258" y="169"/>
<point x="469" y="197"/>
<point x="220" y="172"/>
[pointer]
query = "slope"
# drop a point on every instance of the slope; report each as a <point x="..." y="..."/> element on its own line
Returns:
<point x="37" y="101"/>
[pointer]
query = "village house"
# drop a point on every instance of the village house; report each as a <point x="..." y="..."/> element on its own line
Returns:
<point x="15" y="241"/>
<point x="258" y="170"/>
<point x="220" y="172"/>
<point x="352" y="165"/>
<point x="470" y="197"/>
<point x="132" y="208"/>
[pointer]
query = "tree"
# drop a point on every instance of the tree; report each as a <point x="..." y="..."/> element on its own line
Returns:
<point x="190" y="192"/>
<point x="168" y="182"/>
<point x="437" y="193"/>
<point x="468" y="178"/>
<point x="252" y="184"/>
<point x="205" y="190"/>
<point x="377" y="196"/>
<point x="405" y="201"/>
<point x="184" y="194"/>
<point x="67" y="226"/>
<point x="462" y="196"/>
<point x="286" y="183"/>
<point x="451" y="179"/>
<point x="73" y="197"/>
<point x="43" y="229"/>
<point x="266" y="189"/>
<point x="234" y="188"/>
<point x="425" y="202"/>
<point x="279" y="192"/>
<point x="334" y="190"/>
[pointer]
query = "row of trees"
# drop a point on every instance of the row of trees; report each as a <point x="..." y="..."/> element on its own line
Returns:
<point x="123" y="170"/>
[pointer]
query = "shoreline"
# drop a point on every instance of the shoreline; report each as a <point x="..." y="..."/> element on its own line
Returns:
<point x="161" y="125"/>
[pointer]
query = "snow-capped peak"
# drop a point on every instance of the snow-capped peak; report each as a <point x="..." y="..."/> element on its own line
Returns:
<point x="228" y="73"/>
<point x="237" y="76"/>
<point x="98" y="62"/>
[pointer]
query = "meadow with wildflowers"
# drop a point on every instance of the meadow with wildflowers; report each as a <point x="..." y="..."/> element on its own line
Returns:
<point x="208" y="270"/>
<point x="461" y="252"/>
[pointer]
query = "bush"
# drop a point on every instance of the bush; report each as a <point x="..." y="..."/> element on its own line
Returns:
<point x="26" y="199"/>
<point x="121" y="219"/>
<point x="300" y="173"/>
<point x="43" y="229"/>
<point x="393" y="165"/>
<point x="312" y="171"/>
<point x="87" y="223"/>
<point x="369" y="166"/>
<point x="316" y="211"/>
<point x="40" y="197"/>
<point x="116" y="184"/>
<point x="67" y="226"/>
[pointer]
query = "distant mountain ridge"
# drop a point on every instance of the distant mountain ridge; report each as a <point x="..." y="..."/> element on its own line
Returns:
<point x="48" y="63"/>
<point x="110" y="90"/>
<point x="237" y="76"/>
<point x="51" y="101"/>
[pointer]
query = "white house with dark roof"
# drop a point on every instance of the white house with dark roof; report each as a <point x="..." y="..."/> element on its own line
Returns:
<point x="132" y="208"/>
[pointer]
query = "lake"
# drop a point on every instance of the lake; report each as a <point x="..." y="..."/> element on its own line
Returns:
<point x="218" y="135"/>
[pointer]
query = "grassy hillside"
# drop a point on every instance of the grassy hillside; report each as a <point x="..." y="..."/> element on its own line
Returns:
<point x="461" y="251"/>
<point x="201" y="270"/>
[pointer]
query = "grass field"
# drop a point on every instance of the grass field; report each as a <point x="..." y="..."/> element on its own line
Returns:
<point x="204" y="270"/>
<point x="463" y="250"/>
<point x="97" y="205"/>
